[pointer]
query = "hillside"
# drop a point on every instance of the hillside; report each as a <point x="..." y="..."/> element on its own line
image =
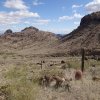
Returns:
<point x="36" y="42"/>
<point x="87" y="35"/>
<point x="29" y="41"/>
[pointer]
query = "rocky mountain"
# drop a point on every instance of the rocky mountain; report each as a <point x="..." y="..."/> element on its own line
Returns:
<point x="87" y="35"/>
<point x="29" y="41"/>
<point x="34" y="41"/>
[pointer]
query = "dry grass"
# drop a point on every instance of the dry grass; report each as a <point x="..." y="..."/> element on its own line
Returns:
<point x="21" y="76"/>
<point x="22" y="84"/>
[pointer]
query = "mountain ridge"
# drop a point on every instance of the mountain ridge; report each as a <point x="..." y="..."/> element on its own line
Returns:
<point x="87" y="35"/>
<point x="32" y="40"/>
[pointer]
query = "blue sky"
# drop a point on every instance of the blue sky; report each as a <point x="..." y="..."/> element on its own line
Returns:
<point x="58" y="16"/>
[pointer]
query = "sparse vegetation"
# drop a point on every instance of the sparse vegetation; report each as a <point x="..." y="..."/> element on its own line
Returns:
<point x="22" y="85"/>
<point x="28" y="56"/>
<point x="22" y="80"/>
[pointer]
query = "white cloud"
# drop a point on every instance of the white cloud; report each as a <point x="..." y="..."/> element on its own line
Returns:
<point x="76" y="6"/>
<point x="76" y="22"/>
<point x="74" y="16"/>
<point x="93" y="6"/>
<point x="5" y="18"/>
<point x="65" y="18"/>
<point x="36" y="3"/>
<point x="27" y="22"/>
<point x="77" y="15"/>
<point x="15" y="17"/>
<point x="43" y="21"/>
<point x="40" y="22"/>
<point x="23" y="14"/>
<point x="16" y="4"/>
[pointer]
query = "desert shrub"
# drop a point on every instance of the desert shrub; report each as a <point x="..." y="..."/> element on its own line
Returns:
<point x="73" y="64"/>
<point x="4" y="92"/>
<point x="21" y="87"/>
<point x="22" y="90"/>
<point x="62" y="62"/>
<point x="55" y="71"/>
<point x="64" y="66"/>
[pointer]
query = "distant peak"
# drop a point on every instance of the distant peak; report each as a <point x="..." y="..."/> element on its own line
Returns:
<point x="30" y="28"/>
<point x="8" y="31"/>
<point x="90" y="18"/>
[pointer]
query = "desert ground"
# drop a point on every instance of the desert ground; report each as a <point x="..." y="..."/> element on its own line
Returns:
<point x="20" y="74"/>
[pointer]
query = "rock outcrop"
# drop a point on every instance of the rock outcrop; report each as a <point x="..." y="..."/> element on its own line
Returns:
<point x="9" y="31"/>
<point x="91" y="18"/>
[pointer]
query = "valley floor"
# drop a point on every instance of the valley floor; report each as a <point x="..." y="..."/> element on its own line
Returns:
<point x="19" y="78"/>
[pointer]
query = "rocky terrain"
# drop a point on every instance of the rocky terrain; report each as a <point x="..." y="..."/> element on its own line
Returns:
<point x="29" y="41"/>
<point x="87" y="35"/>
<point x="34" y="41"/>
